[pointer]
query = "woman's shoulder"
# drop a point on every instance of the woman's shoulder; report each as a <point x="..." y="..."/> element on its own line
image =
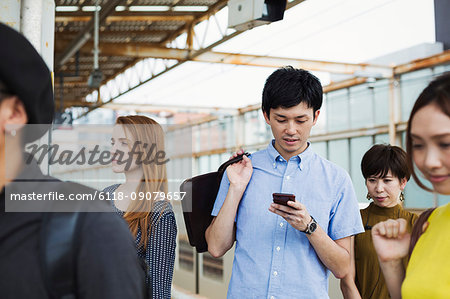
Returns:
<point x="162" y="209"/>
<point x="442" y="211"/>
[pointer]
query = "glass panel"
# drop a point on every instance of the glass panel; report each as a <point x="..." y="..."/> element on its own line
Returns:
<point x="203" y="164"/>
<point x="338" y="152"/>
<point x="266" y="132"/>
<point x="212" y="267"/>
<point x="214" y="139"/>
<point x="337" y="110"/>
<point x="361" y="112"/>
<point x="381" y="102"/>
<point x="214" y="162"/>
<point x="440" y="69"/>
<point x="443" y="199"/>
<point x="411" y="85"/>
<point x="185" y="255"/>
<point x="230" y="131"/>
<point x="320" y="148"/>
<point x="253" y="129"/>
<point x="382" y="138"/>
<point x="204" y="143"/>
<point x="416" y="197"/>
<point x="358" y="147"/>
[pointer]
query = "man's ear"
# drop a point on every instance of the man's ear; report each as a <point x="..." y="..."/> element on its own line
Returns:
<point x="266" y="117"/>
<point x="13" y="115"/>
<point x="316" y="116"/>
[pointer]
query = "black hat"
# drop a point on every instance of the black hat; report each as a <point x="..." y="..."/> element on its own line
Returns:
<point x="25" y="74"/>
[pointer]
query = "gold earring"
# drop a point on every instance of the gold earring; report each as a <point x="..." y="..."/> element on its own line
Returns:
<point x="368" y="196"/>
<point x="402" y="196"/>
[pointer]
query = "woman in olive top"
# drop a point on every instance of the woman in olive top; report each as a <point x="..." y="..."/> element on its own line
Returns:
<point x="386" y="172"/>
<point x="428" y="145"/>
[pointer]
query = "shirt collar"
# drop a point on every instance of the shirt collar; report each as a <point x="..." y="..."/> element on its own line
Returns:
<point x="275" y="156"/>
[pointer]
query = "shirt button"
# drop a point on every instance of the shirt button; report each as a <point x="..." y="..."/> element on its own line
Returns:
<point x="272" y="297"/>
<point x="278" y="248"/>
<point x="288" y="177"/>
<point x="275" y="273"/>
<point x="274" y="164"/>
<point x="281" y="224"/>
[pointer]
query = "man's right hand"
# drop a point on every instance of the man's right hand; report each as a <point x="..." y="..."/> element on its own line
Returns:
<point x="239" y="173"/>
<point x="391" y="239"/>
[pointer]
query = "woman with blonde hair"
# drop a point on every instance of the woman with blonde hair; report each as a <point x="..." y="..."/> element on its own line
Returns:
<point x="138" y="152"/>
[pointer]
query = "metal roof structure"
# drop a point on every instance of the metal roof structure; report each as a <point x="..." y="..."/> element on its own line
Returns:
<point x="132" y="31"/>
<point x="123" y="23"/>
<point x="141" y="40"/>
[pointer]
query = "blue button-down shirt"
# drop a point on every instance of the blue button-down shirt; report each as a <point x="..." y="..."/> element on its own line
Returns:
<point x="272" y="259"/>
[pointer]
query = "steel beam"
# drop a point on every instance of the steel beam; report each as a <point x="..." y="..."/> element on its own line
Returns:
<point x="418" y="64"/>
<point x="142" y="51"/>
<point x="195" y="53"/>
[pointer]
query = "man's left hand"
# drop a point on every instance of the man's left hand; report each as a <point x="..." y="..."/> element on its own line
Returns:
<point x="295" y="214"/>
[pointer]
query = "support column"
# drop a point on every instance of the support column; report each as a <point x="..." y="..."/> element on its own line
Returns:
<point x="36" y="20"/>
<point x="37" y="23"/>
<point x="10" y="13"/>
<point x="394" y="111"/>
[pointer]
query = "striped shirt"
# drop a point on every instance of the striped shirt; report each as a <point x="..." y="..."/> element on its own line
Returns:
<point x="159" y="252"/>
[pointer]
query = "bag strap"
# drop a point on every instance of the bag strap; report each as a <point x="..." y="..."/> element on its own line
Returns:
<point x="58" y="253"/>
<point x="231" y="161"/>
<point x="417" y="229"/>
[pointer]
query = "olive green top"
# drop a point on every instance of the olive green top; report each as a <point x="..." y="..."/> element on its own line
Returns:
<point x="369" y="278"/>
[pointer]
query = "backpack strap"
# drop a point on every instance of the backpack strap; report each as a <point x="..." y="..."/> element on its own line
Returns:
<point x="417" y="229"/>
<point x="58" y="253"/>
<point x="231" y="161"/>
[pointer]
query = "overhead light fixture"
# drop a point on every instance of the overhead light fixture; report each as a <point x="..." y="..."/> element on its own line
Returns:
<point x="66" y="8"/>
<point x="200" y="8"/>
<point x="149" y="8"/>
<point x="120" y="8"/>
<point x="89" y="8"/>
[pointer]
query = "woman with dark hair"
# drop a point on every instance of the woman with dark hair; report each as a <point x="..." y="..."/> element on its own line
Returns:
<point x="428" y="145"/>
<point x="141" y="200"/>
<point x="386" y="172"/>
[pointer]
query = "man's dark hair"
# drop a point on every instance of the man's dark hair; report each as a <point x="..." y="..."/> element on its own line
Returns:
<point x="287" y="87"/>
<point x="382" y="158"/>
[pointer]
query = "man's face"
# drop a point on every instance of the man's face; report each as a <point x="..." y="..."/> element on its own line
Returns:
<point x="291" y="128"/>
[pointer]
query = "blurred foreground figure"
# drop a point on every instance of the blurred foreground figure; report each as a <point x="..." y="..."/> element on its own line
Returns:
<point x="428" y="145"/>
<point x="51" y="255"/>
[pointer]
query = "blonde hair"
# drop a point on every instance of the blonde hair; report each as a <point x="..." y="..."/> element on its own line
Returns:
<point x="154" y="179"/>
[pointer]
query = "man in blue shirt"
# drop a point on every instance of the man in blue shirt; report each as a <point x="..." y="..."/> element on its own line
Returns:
<point x="285" y="251"/>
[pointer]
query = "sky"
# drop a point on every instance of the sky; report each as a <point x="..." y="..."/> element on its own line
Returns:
<point x="331" y="30"/>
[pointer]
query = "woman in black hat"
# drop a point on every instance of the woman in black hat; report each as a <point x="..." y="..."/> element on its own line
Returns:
<point x="80" y="265"/>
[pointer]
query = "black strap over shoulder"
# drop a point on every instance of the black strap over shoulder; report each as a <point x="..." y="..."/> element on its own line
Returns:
<point x="417" y="230"/>
<point x="231" y="161"/>
<point x="58" y="252"/>
<point x="201" y="192"/>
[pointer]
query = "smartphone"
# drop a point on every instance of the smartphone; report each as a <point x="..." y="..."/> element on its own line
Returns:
<point x="283" y="198"/>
